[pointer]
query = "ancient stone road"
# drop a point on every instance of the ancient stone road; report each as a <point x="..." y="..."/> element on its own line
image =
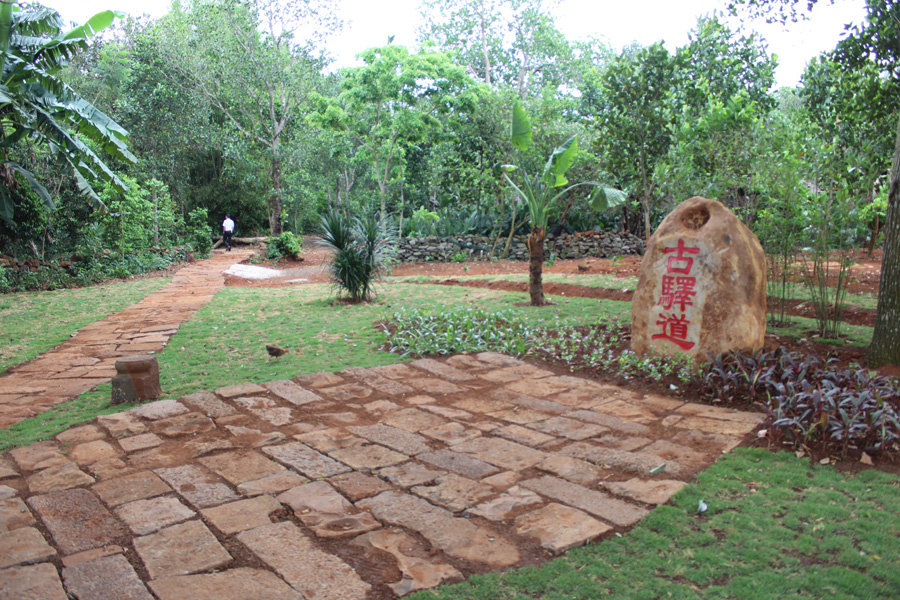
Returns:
<point x="88" y="359"/>
<point x="341" y="486"/>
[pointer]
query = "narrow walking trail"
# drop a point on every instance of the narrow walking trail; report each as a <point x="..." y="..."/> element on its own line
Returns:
<point x="88" y="358"/>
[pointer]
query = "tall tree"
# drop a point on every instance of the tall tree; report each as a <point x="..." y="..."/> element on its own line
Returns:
<point x="625" y="100"/>
<point x="392" y="101"/>
<point x="877" y="40"/>
<point x="248" y="59"/>
<point x="35" y="102"/>
<point x="514" y="42"/>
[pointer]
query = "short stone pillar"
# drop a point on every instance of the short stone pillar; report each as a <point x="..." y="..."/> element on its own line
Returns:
<point x="136" y="379"/>
<point x="702" y="288"/>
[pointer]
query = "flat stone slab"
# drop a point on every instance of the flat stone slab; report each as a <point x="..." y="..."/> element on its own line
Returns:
<point x="180" y="550"/>
<point x="160" y="409"/>
<point x="591" y="501"/>
<point x="356" y="486"/>
<point x="147" y="516"/>
<point x="459" y="463"/>
<point x="559" y="527"/>
<point x="137" y="486"/>
<point x="413" y="420"/>
<point x="208" y="404"/>
<point x="314" y="573"/>
<point x="457" y="537"/>
<point x="513" y="501"/>
<point x="291" y="392"/>
<point x="90" y="452"/>
<point x="234" y="584"/>
<point x="14" y="514"/>
<point x="198" y="486"/>
<point x="59" y="477"/>
<point x="654" y="491"/>
<point x="368" y="457"/>
<point x="37" y="582"/>
<point x="140" y="442"/>
<point x="242" y="515"/>
<point x="187" y="424"/>
<point x="420" y="571"/>
<point x="272" y="484"/>
<point x="241" y="465"/>
<point x="454" y="493"/>
<point x="410" y="474"/>
<point x="106" y="578"/>
<point x="394" y="438"/>
<point x="38" y="456"/>
<point x="77" y="520"/>
<point x="502" y="453"/>
<point x="307" y="461"/>
<point x="23" y="546"/>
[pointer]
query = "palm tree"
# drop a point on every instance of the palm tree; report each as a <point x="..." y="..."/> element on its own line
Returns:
<point x="36" y="103"/>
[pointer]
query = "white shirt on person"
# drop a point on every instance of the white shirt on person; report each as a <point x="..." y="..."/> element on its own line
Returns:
<point x="228" y="225"/>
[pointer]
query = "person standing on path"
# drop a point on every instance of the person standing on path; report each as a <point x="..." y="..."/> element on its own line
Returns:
<point x="227" y="231"/>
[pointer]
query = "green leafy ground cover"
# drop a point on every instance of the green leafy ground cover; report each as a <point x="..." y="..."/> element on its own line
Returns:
<point x="33" y="322"/>
<point x="776" y="527"/>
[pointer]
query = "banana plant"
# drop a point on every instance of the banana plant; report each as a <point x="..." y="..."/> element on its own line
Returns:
<point x="542" y="191"/>
<point x="35" y="102"/>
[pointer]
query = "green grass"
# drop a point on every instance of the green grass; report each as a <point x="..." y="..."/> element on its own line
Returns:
<point x="224" y="342"/>
<point x="33" y="322"/>
<point x="776" y="527"/>
<point x="802" y="327"/>
<point x="610" y="282"/>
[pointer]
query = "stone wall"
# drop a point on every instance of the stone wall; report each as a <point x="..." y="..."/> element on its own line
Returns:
<point x="602" y="244"/>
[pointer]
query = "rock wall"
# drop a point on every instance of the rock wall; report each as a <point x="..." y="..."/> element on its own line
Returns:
<point x="602" y="244"/>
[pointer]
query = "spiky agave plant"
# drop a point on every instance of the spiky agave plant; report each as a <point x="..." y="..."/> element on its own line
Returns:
<point x="362" y="253"/>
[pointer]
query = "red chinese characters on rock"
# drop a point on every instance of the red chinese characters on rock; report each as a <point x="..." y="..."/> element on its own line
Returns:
<point x="678" y="292"/>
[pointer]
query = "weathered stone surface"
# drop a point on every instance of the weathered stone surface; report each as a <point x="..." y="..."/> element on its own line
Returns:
<point x="23" y="546"/>
<point x="243" y="389"/>
<point x="242" y="515"/>
<point x="597" y="503"/>
<point x="208" y="404"/>
<point x="628" y="410"/>
<point x="272" y="484"/>
<point x="530" y="402"/>
<point x="330" y="526"/>
<point x="441" y="369"/>
<point x="356" y="486"/>
<point x="291" y="392"/>
<point x="702" y="288"/>
<point x="186" y="424"/>
<point x="559" y="527"/>
<point x="137" y="486"/>
<point x="610" y="421"/>
<point x="316" y="574"/>
<point x="319" y="380"/>
<point x="181" y="549"/>
<point x="716" y="426"/>
<point x="240" y="466"/>
<point x="502" y="481"/>
<point x="122" y="424"/>
<point x="397" y="439"/>
<point x="634" y="462"/>
<point x="80" y="435"/>
<point x="671" y="452"/>
<point x="418" y="571"/>
<point x="409" y="474"/>
<point x="90" y="452"/>
<point x="379" y="382"/>
<point x="161" y="409"/>
<point x="454" y="493"/>
<point x="198" y="486"/>
<point x="140" y="442"/>
<point x="7" y="492"/>
<point x="76" y="520"/>
<point x="266" y="409"/>
<point x="502" y="453"/>
<point x="413" y="420"/>
<point x="435" y="386"/>
<point x="147" y="516"/>
<point x="459" y="463"/>
<point x="6" y="468"/>
<point x="306" y="460"/>
<point x="656" y="491"/>
<point x="452" y="433"/>
<point x="60" y="477"/>
<point x="92" y="554"/>
<point x="254" y="438"/>
<point x="623" y="442"/>
<point x="482" y="405"/>
<point x="371" y="456"/>
<point x="329" y="440"/>
<point x="107" y="578"/>
<point x="457" y="537"/>
<point x="569" y="428"/>
<point x="522" y="416"/>
<point x="14" y="515"/>
<point x="136" y="379"/>
<point x="38" y="456"/>
<point x="347" y="392"/>
<point x="573" y="469"/>
<point x="505" y="505"/>
<point x="523" y="435"/>
<point x="110" y="468"/>
<point x="234" y="584"/>
<point x="37" y="582"/>
<point x="316" y="496"/>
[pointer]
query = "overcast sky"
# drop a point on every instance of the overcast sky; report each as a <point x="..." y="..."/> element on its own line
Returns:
<point x="369" y="23"/>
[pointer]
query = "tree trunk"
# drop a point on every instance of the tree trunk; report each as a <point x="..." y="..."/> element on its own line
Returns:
<point x="885" y="346"/>
<point x="275" y="205"/>
<point x="155" y="220"/>
<point x="536" y="266"/>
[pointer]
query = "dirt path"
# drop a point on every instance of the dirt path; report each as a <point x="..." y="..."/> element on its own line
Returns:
<point x="88" y="358"/>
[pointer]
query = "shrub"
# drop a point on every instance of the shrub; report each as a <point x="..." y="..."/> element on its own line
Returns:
<point x="284" y="245"/>
<point x="199" y="232"/>
<point x="363" y="252"/>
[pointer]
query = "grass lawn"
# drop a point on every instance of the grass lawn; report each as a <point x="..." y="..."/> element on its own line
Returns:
<point x="776" y="527"/>
<point x="33" y="322"/>
<point x="224" y="342"/>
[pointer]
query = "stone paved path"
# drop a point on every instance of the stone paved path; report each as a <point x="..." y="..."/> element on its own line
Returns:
<point x="367" y="483"/>
<point x="88" y="359"/>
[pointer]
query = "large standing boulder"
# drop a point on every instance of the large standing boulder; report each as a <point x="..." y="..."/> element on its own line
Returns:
<point x="702" y="288"/>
